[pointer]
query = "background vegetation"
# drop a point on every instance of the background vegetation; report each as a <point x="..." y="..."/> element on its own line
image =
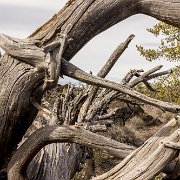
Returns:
<point x="169" y="50"/>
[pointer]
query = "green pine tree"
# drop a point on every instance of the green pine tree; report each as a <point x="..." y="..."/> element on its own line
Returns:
<point x="169" y="49"/>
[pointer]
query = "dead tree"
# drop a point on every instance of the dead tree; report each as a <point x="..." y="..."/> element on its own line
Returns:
<point x="31" y="66"/>
<point x="85" y="110"/>
<point x="73" y="111"/>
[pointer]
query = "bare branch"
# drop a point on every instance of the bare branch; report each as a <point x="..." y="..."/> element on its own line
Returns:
<point x="107" y="95"/>
<point x="114" y="57"/>
<point x="152" y="76"/>
<point x="142" y="77"/>
<point x="76" y="73"/>
<point x="54" y="134"/>
<point x="130" y="75"/>
<point x="148" y="76"/>
<point x="136" y="73"/>
<point x="150" y="87"/>
<point x="99" y="104"/>
<point x="102" y="73"/>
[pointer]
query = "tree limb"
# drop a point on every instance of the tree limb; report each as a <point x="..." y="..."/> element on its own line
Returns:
<point x="54" y="134"/>
<point x="149" y="159"/>
<point x="130" y="75"/>
<point x="114" y="57"/>
<point x="142" y="77"/>
<point x="162" y="10"/>
<point x="70" y="70"/>
<point x="114" y="11"/>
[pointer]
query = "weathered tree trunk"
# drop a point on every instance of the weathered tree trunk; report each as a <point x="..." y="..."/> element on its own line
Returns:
<point x="81" y="20"/>
<point x="16" y="112"/>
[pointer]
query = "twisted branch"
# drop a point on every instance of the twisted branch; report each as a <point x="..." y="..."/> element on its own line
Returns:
<point x="54" y="134"/>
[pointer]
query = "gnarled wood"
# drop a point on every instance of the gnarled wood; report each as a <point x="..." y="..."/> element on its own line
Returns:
<point x="92" y="91"/>
<point x="145" y="162"/>
<point x="85" y="19"/>
<point x="54" y="134"/>
<point x="76" y="73"/>
<point x="16" y="112"/>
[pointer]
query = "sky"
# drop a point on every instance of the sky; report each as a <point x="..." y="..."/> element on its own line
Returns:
<point x="19" y="18"/>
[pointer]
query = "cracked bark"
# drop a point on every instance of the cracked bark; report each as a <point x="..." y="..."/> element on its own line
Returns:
<point x="143" y="163"/>
<point x="87" y="19"/>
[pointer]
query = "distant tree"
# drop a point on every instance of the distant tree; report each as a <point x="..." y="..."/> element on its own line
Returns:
<point x="167" y="86"/>
<point x="169" y="49"/>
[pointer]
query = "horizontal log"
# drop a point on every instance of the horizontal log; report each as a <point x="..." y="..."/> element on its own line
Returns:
<point x="54" y="134"/>
<point x="150" y="159"/>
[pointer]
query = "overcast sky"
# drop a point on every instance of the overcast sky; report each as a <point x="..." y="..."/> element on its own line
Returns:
<point x="19" y="18"/>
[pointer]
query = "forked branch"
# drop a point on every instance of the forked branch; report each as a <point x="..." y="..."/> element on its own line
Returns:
<point x="70" y="70"/>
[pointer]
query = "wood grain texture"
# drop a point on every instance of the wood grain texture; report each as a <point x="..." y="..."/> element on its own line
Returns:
<point x="149" y="159"/>
<point x="86" y="18"/>
<point x="54" y="134"/>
